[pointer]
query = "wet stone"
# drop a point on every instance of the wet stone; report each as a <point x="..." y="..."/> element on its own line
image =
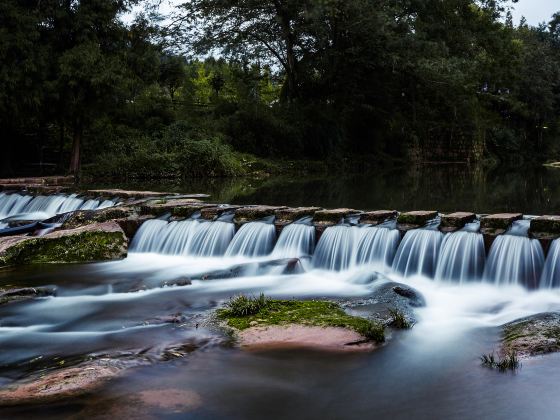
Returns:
<point x="455" y="221"/>
<point x="183" y="207"/>
<point x="415" y="219"/>
<point x="212" y="213"/>
<point x="332" y="217"/>
<point x="545" y="227"/>
<point x="255" y="213"/>
<point x="377" y="217"/>
<point x="497" y="224"/>
<point x="291" y="214"/>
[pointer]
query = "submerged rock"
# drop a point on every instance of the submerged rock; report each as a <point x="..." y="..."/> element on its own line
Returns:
<point x="533" y="335"/>
<point x="62" y="383"/>
<point x="11" y="295"/>
<point x="95" y="242"/>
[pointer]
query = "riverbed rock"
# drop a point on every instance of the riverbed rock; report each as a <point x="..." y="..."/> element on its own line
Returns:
<point x="415" y="219"/>
<point x="95" y="242"/>
<point x="86" y="217"/>
<point x="303" y="336"/>
<point x="333" y="216"/>
<point x="24" y="293"/>
<point x="455" y="221"/>
<point x="376" y="217"/>
<point x="117" y="192"/>
<point x="61" y="384"/>
<point x="533" y="335"/>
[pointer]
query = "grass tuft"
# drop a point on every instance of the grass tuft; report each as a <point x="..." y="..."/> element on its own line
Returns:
<point x="399" y="320"/>
<point x="509" y="362"/>
<point x="242" y="305"/>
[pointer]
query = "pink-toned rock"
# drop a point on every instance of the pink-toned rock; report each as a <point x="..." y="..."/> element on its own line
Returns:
<point x="303" y="336"/>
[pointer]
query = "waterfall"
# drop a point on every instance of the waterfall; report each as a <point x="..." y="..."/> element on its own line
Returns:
<point x="252" y="240"/>
<point x="377" y="245"/>
<point x="177" y="237"/>
<point x="335" y="248"/>
<point x="418" y="252"/>
<point x="212" y="238"/>
<point x="148" y="238"/>
<point x="296" y="240"/>
<point x="514" y="258"/>
<point x="461" y="258"/>
<point x="550" y="277"/>
<point x="27" y="207"/>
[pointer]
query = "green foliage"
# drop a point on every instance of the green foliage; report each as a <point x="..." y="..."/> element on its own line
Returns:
<point x="509" y="362"/>
<point x="244" y="312"/>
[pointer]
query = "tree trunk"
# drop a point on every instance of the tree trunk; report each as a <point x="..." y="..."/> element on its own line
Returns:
<point x="61" y="146"/>
<point x="76" y="149"/>
<point x="291" y="60"/>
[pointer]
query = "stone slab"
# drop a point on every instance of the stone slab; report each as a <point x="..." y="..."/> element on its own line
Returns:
<point x="455" y="221"/>
<point x="497" y="224"/>
<point x="376" y="217"/>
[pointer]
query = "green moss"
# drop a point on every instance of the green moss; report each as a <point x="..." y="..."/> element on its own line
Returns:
<point x="80" y="247"/>
<point x="309" y="312"/>
<point x="416" y="219"/>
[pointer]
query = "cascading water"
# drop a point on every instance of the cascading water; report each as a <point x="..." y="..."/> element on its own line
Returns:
<point x="27" y="207"/>
<point x="296" y="240"/>
<point x="212" y="238"/>
<point x="377" y="245"/>
<point x="461" y="258"/>
<point x="514" y="258"/>
<point x="418" y="253"/>
<point x="253" y="239"/>
<point x="550" y="277"/>
<point x="335" y="248"/>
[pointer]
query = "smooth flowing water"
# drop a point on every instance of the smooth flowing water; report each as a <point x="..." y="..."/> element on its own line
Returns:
<point x="151" y="306"/>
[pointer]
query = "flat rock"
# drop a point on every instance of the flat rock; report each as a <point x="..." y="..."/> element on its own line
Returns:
<point x="333" y="216"/>
<point x="253" y="213"/>
<point x="212" y="213"/>
<point x="291" y="214"/>
<point x="303" y="336"/>
<point x="94" y="242"/>
<point x="533" y="335"/>
<point x="545" y="227"/>
<point x="43" y="180"/>
<point x="497" y="224"/>
<point x="377" y="217"/>
<point x="415" y="219"/>
<point x="181" y="207"/>
<point x="455" y="221"/>
<point x="129" y="193"/>
<point x="60" y="384"/>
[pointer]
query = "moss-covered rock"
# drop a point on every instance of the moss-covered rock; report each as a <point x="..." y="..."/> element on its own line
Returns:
<point x="243" y="313"/>
<point x="96" y="242"/>
<point x="533" y="335"/>
<point x="212" y="213"/>
<point x="87" y="217"/>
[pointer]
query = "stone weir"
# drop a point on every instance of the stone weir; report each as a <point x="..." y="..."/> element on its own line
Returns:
<point x="107" y="232"/>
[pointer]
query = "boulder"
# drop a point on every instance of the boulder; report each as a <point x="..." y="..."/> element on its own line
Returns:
<point x="24" y="293"/>
<point x="533" y="335"/>
<point x="455" y="221"/>
<point x="95" y="242"/>
<point x="497" y="224"/>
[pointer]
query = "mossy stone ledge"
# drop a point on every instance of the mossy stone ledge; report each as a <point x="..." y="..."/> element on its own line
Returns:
<point x="376" y="217"/>
<point x="181" y="207"/>
<point x="533" y="335"/>
<point x="255" y="213"/>
<point x="95" y="242"/>
<point x="456" y="221"/>
<point x="415" y="219"/>
<point x="498" y="224"/>
<point x="545" y="227"/>
<point x="212" y="213"/>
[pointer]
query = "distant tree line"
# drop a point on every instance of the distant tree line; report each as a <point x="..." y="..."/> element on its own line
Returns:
<point x="221" y="83"/>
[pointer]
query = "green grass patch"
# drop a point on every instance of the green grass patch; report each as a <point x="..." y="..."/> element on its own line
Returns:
<point x="243" y="312"/>
<point x="509" y="362"/>
<point x="399" y="320"/>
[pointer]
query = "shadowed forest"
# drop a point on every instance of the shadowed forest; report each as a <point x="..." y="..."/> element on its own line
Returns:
<point x="235" y="87"/>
